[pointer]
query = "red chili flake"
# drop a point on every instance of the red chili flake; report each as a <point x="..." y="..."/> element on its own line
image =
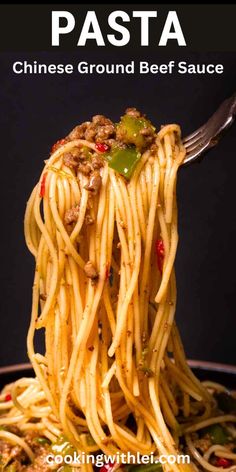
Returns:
<point x="160" y="251"/>
<point x="108" y="467"/>
<point x="101" y="147"/>
<point x="43" y="185"/>
<point x="8" y="397"/>
<point x="223" y="462"/>
<point x="58" y="144"/>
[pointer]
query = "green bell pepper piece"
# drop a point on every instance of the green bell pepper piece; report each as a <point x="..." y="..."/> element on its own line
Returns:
<point x="128" y="130"/>
<point x="217" y="434"/>
<point x="123" y="160"/>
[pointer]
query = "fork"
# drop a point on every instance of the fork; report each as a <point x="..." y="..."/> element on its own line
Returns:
<point x="208" y="135"/>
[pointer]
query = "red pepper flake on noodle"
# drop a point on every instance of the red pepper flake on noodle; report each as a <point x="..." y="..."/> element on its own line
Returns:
<point x="43" y="185"/>
<point x="109" y="467"/>
<point x="223" y="462"/>
<point x="58" y="144"/>
<point x="101" y="147"/>
<point x="160" y="252"/>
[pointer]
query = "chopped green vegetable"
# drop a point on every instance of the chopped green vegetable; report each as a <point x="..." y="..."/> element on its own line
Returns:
<point x="144" y="468"/>
<point x="123" y="160"/>
<point x="217" y="434"/>
<point x="42" y="440"/>
<point x="226" y="402"/>
<point x="130" y="130"/>
<point x="63" y="447"/>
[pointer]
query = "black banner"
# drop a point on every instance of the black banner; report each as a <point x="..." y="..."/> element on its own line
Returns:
<point x="204" y="27"/>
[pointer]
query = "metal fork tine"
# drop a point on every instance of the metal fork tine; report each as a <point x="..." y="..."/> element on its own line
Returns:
<point x="207" y="136"/>
<point x="192" y="135"/>
<point x="193" y="141"/>
<point x="193" y="155"/>
<point x="200" y="143"/>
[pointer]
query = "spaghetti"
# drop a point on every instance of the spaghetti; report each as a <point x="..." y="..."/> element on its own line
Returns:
<point x="114" y="376"/>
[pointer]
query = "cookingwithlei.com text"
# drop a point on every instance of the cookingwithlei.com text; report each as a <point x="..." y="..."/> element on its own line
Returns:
<point x="100" y="460"/>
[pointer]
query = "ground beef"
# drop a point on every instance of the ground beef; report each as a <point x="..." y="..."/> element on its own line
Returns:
<point x="5" y="451"/>
<point x="84" y="168"/>
<point x="10" y="453"/>
<point x="95" y="183"/>
<point x="133" y="112"/>
<point x="39" y="464"/>
<point x="70" y="160"/>
<point x="99" y="130"/>
<point x="97" y="162"/>
<point x="71" y="215"/>
<point x="202" y="444"/>
<point x="14" y="455"/>
<point x="105" y="128"/>
<point x="90" y="270"/>
<point x="79" y="131"/>
<point x="90" y="133"/>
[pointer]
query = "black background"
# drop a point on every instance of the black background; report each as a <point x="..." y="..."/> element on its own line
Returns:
<point x="35" y="111"/>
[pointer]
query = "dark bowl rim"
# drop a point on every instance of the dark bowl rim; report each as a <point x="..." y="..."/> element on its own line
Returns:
<point x="197" y="364"/>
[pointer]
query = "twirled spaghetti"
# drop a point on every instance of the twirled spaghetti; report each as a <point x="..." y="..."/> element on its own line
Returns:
<point x="114" y="368"/>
